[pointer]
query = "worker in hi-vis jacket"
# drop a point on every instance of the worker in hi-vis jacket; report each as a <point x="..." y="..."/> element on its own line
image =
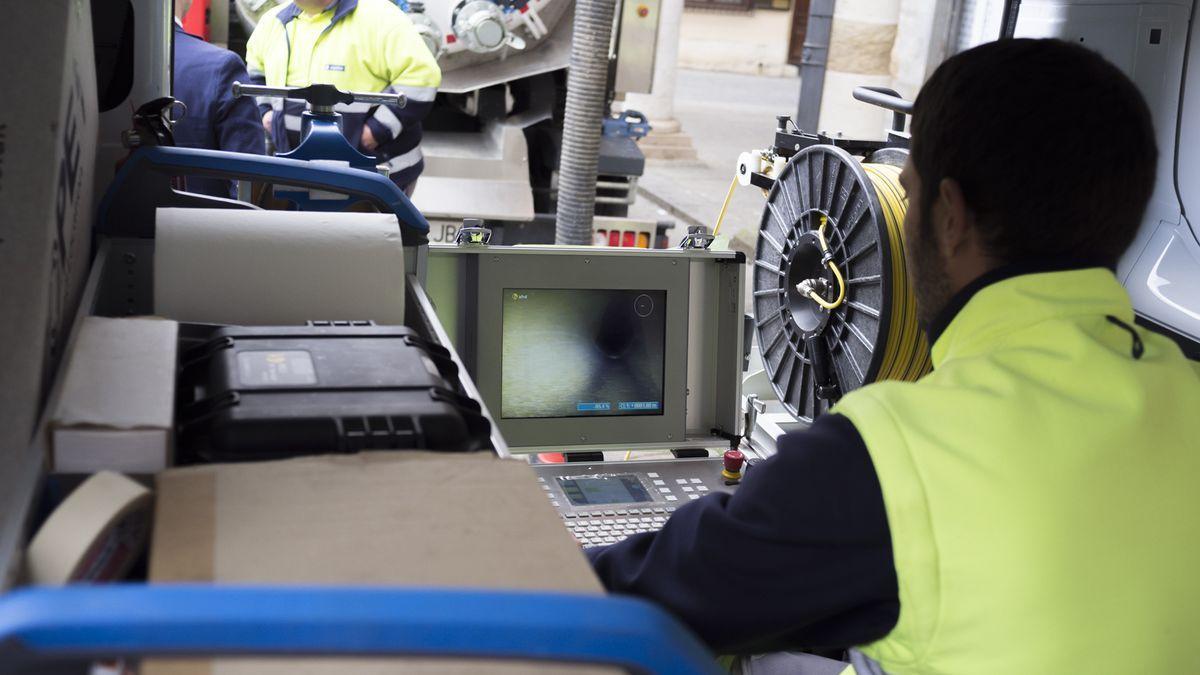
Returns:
<point x="1030" y="505"/>
<point x="354" y="45"/>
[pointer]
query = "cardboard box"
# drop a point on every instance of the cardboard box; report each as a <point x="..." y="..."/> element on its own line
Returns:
<point x="116" y="408"/>
<point x="47" y="154"/>
<point x="398" y="518"/>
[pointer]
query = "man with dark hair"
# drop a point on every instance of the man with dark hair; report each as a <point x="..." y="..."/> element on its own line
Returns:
<point x="1041" y="185"/>
<point x="1027" y="507"/>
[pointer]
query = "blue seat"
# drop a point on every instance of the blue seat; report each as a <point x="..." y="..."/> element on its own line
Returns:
<point x="86" y="622"/>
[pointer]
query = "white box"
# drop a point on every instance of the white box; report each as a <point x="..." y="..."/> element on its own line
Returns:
<point x="116" y="410"/>
<point x="48" y="129"/>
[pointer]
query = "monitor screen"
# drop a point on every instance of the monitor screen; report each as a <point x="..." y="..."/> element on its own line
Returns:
<point x="582" y="353"/>
<point x="613" y="489"/>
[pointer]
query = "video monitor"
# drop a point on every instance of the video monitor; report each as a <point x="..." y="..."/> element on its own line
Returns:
<point x="582" y="353"/>
<point x="582" y="349"/>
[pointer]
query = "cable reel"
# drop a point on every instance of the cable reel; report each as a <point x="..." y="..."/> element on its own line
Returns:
<point x="833" y="305"/>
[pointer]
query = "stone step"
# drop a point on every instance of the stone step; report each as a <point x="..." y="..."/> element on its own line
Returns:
<point x="668" y="145"/>
<point x="667" y="140"/>
<point x="668" y="152"/>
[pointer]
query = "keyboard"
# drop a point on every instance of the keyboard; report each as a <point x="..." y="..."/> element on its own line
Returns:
<point x="603" y="503"/>
<point x="609" y="527"/>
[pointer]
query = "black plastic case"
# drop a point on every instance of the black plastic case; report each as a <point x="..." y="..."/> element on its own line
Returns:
<point x="252" y="393"/>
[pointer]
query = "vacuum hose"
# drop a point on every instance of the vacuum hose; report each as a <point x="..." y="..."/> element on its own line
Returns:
<point x="833" y="304"/>
<point x="587" y="83"/>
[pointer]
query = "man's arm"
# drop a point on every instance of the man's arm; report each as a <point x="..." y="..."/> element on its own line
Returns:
<point x="400" y="57"/>
<point x="239" y="126"/>
<point x="799" y="556"/>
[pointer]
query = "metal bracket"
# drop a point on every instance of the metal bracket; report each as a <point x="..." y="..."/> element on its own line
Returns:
<point x="789" y="143"/>
<point x="698" y="237"/>
<point x="472" y="233"/>
<point x="762" y="180"/>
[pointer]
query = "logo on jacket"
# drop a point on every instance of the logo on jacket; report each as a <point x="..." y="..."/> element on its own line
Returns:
<point x="336" y="67"/>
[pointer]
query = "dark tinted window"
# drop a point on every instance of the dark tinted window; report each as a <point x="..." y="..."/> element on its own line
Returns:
<point x="112" y="32"/>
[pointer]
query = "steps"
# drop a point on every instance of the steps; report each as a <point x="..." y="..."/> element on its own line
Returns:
<point x="667" y="141"/>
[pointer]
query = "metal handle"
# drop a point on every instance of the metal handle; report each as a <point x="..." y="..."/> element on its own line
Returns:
<point x="883" y="97"/>
<point x="379" y="98"/>
<point x="888" y="99"/>
<point x="240" y="89"/>
<point x="297" y="93"/>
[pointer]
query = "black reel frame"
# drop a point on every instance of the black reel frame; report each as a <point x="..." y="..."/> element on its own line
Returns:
<point x="813" y="355"/>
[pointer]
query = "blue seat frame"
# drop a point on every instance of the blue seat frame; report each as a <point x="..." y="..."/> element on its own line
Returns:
<point x="125" y="620"/>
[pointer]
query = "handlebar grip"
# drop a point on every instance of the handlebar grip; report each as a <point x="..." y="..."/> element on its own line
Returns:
<point x="888" y="99"/>
<point x="399" y="100"/>
<point x="240" y="89"/>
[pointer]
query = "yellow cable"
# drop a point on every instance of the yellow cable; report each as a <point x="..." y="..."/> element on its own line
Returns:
<point x="837" y="274"/>
<point x="906" y="352"/>
<point x="725" y="205"/>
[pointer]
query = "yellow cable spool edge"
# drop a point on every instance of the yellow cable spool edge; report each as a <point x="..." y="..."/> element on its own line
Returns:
<point x="906" y="355"/>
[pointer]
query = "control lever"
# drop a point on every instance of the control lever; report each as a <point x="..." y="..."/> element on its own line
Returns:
<point x="754" y="407"/>
<point x="322" y="97"/>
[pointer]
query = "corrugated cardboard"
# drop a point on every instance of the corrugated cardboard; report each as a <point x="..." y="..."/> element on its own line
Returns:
<point x="411" y="518"/>
<point x="117" y="403"/>
<point x="47" y="157"/>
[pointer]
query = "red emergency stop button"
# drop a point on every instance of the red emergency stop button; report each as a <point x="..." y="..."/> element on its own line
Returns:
<point x="734" y="460"/>
<point x="643" y="11"/>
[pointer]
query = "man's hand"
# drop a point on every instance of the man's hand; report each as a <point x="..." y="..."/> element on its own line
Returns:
<point x="368" y="141"/>
<point x="267" y="119"/>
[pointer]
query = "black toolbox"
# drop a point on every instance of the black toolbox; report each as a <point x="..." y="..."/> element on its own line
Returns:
<point x="252" y="393"/>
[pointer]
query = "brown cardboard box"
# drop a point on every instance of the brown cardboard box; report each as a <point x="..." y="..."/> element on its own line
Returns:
<point x="47" y="157"/>
<point x="411" y="518"/>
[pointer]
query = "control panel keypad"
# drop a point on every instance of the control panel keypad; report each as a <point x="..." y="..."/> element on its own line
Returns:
<point x="599" y="528"/>
<point x="605" y="503"/>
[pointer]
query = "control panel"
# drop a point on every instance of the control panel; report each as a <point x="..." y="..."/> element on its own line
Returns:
<point x="605" y="502"/>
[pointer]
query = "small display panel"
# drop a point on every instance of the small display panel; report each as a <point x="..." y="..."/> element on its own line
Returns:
<point x="582" y="353"/>
<point x="614" y="489"/>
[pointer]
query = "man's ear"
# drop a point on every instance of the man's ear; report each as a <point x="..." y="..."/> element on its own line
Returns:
<point x="955" y="219"/>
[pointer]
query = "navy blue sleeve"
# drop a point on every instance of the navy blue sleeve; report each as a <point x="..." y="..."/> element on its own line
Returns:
<point x="798" y="557"/>
<point x="381" y="133"/>
<point x="388" y="122"/>
<point x="238" y="122"/>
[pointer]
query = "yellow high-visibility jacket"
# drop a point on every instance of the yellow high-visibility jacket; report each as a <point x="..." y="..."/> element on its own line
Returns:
<point x="1040" y="488"/>
<point x="355" y="45"/>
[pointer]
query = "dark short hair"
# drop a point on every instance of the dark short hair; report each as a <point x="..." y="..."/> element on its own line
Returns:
<point x="1053" y="147"/>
